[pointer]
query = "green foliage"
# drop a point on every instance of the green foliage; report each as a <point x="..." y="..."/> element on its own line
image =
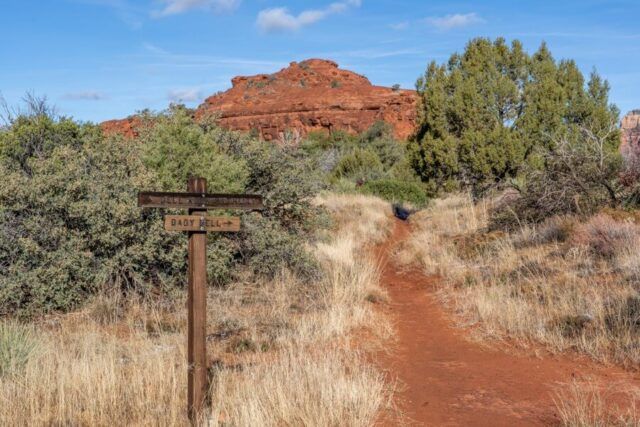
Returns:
<point x="18" y="343"/>
<point x="69" y="224"/>
<point x="485" y="113"/>
<point x="176" y="147"/>
<point x="286" y="178"/>
<point x="397" y="191"/>
<point x="379" y="138"/>
<point x="267" y="248"/>
<point x="580" y="176"/>
<point x="360" y="164"/>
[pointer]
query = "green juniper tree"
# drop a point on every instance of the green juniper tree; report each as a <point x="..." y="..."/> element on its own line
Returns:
<point x="483" y="115"/>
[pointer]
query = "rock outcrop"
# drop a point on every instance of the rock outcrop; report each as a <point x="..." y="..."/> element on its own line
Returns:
<point x="313" y="95"/>
<point x="630" y="127"/>
<point x="129" y="127"/>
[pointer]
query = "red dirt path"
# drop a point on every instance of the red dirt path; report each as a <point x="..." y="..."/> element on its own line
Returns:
<point x="446" y="380"/>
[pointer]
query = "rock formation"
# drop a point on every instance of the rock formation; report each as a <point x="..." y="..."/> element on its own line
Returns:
<point x="128" y="127"/>
<point x="313" y="95"/>
<point x="630" y="127"/>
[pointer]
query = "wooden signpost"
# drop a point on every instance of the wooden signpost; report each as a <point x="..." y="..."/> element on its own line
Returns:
<point x="197" y="224"/>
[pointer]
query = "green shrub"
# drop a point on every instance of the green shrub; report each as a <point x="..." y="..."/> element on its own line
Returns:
<point x="485" y="113"/>
<point x="397" y="191"/>
<point x="379" y="139"/>
<point x="267" y="248"/>
<point x="286" y="178"/>
<point x="578" y="177"/>
<point x="174" y="147"/>
<point x="69" y="223"/>
<point x="361" y="164"/>
<point x="18" y="343"/>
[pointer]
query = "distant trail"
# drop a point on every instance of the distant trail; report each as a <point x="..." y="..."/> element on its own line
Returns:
<point x="446" y="380"/>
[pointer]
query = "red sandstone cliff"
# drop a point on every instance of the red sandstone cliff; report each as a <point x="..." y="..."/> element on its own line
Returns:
<point x="309" y="96"/>
<point x="630" y="131"/>
<point x="313" y="95"/>
<point x="128" y="127"/>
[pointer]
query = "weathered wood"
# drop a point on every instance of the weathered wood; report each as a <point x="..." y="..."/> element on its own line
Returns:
<point x="201" y="223"/>
<point x="197" y="317"/>
<point x="197" y="200"/>
<point x="197" y="223"/>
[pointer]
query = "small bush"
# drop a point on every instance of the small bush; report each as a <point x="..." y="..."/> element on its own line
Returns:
<point x="577" y="177"/>
<point x="18" y="344"/>
<point x="604" y="236"/>
<point x="69" y="224"/>
<point x="267" y="248"/>
<point x="359" y="165"/>
<point x="397" y="191"/>
<point x="176" y="147"/>
<point x="555" y="229"/>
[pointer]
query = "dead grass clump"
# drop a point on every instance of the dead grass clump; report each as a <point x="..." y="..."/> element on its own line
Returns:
<point x="585" y="404"/>
<point x="554" y="229"/>
<point x="85" y="376"/>
<point x="297" y="387"/>
<point x="366" y="218"/>
<point x="604" y="236"/>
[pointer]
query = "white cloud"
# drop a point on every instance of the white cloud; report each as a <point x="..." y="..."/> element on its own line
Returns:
<point x="185" y="95"/>
<point x="175" y="7"/>
<point x="400" y="26"/>
<point x="84" y="96"/>
<point x="280" y="19"/>
<point x="457" y="20"/>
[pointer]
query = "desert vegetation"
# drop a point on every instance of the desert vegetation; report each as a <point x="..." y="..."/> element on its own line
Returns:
<point x="526" y="212"/>
<point x="124" y="360"/>
<point x="547" y="259"/>
<point x="494" y="110"/>
<point x="535" y="227"/>
<point x="92" y="292"/>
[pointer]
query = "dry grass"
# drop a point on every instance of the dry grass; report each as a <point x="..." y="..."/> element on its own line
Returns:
<point x="282" y="352"/>
<point x="568" y="285"/>
<point x="297" y="389"/>
<point x="584" y="404"/>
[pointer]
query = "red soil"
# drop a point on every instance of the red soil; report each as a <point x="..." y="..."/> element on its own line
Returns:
<point x="447" y="380"/>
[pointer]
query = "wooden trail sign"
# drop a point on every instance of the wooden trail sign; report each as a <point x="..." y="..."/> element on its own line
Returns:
<point x="193" y="200"/>
<point x="201" y="223"/>
<point x="197" y="224"/>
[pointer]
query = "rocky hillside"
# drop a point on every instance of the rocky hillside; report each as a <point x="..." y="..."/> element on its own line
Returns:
<point x="313" y="95"/>
<point x="309" y="96"/>
<point x="630" y="130"/>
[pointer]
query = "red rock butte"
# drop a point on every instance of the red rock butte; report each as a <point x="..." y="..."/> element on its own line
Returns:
<point x="630" y="127"/>
<point x="313" y="95"/>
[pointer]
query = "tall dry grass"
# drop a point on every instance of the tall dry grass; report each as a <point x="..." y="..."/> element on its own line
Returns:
<point x="568" y="284"/>
<point x="282" y="353"/>
<point x="586" y="404"/>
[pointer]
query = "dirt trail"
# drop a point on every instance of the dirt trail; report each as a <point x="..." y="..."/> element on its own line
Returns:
<point x="446" y="380"/>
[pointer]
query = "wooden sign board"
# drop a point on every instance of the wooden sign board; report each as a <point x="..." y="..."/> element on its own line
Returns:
<point x="199" y="201"/>
<point x="201" y="223"/>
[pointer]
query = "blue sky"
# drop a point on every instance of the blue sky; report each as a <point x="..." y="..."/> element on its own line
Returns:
<point x="102" y="59"/>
